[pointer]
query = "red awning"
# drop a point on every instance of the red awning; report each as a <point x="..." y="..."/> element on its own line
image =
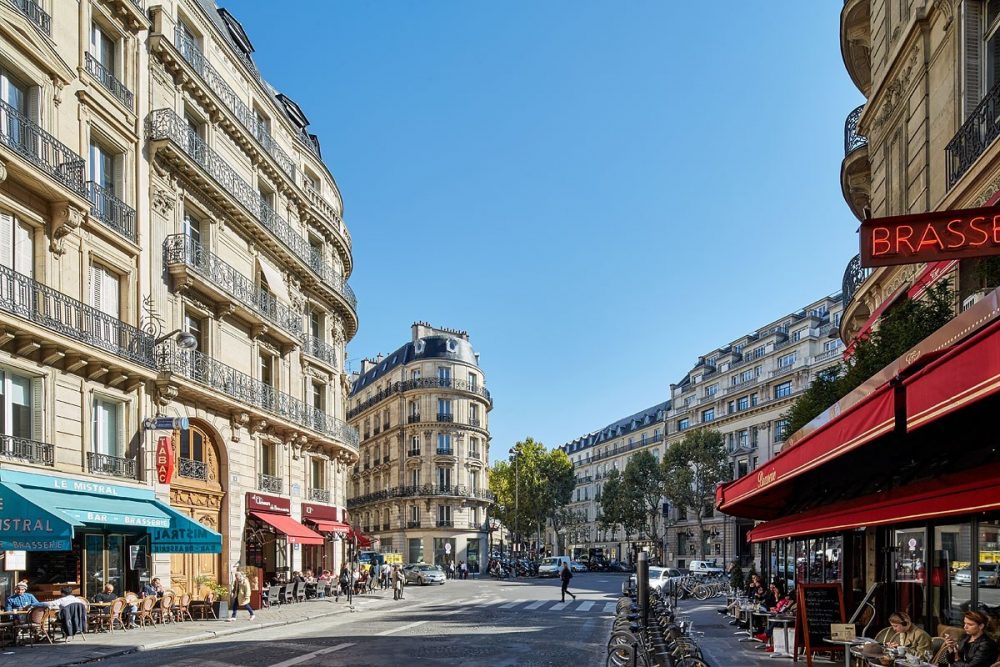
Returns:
<point x="950" y="495"/>
<point x="363" y="540"/>
<point x="869" y="418"/>
<point x="295" y="531"/>
<point x="331" y="526"/>
<point x="964" y="374"/>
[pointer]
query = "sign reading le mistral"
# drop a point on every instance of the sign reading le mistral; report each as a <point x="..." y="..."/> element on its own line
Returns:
<point x="930" y="237"/>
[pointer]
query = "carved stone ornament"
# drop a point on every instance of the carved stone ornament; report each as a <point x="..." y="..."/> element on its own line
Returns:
<point x="894" y="94"/>
<point x="3" y="171"/>
<point x="65" y="218"/>
<point x="258" y="426"/>
<point x="163" y="201"/>
<point x="166" y="393"/>
<point x="237" y="422"/>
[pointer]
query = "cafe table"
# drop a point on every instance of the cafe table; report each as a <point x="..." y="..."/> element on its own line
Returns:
<point x="847" y="644"/>
<point x="784" y="619"/>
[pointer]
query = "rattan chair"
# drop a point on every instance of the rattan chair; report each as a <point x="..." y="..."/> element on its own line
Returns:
<point x="182" y="609"/>
<point x="145" y="611"/>
<point x="37" y="624"/>
<point x="163" y="612"/>
<point x="205" y="607"/>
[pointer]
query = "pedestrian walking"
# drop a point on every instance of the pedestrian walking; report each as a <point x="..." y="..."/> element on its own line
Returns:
<point x="373" y="576"/>
<point x="451" y="569"/>
<point x="465" y="570"/>
<point x="240" y="595"/>
<point x="566" y="575"/>
<point x="344" y="580"/>
<point x="397" y="583"/>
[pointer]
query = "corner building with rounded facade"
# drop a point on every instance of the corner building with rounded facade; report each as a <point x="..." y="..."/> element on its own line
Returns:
<point x="421" y="487"/>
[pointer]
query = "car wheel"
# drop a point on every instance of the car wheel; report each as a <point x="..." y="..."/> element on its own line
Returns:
<point x="420" y="581"/>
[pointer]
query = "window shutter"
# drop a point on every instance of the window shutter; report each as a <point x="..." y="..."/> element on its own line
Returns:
<point x="95" y="286"/>
<point x="37" y="409"/>
<point x="7" y="240"/>
<point x="118" y="176"/>
<point x="119" y="434"/>
<point x="24" y="251"/>
<point x="34" y="104"/>
<point x="972" y="50"/>
<point x="110" y="293"/>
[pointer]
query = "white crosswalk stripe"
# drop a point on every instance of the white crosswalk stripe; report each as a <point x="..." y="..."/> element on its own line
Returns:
<point x="609" y="607"/>
<point x="511" y="605"/>
<point x="560" y="606"/>
<point x="585" y="606"/>
<point x="536" y="605"/>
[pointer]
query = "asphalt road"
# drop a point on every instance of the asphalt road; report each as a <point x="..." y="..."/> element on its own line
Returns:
<point x="470" y="623"/>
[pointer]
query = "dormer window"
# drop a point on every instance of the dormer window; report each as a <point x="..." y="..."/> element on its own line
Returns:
<point x="236" y="31"/>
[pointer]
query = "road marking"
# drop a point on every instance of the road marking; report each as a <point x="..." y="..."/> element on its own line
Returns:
<point x="310" y="656"/>
<point x="609" y="607"/>
<point x="585" y="606"/>
<point x="536" y="605"/>
<point x="392" y="631"/>
<point x="511" y="605"/>
<point x="559" y="606"/>
<point x="487" y="602"/>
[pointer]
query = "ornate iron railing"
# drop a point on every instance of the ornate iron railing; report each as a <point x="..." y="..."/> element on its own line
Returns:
<point x="114" y="466"/>
<point x="192" y="469"/>
<point x="216" y="375"/>
<point x="413" y="419"/>
<point x="445" y="417"/>
<point x="107" y="79"/>
<point x="26" y="451"/>
<point x="445" y="523"/>
<point x="112" y="212"/>
<point x="44" y="306"/>
<point x="624" y="448"/>
<point x="319" y="495"/>
<point x="181" y="249"/>
<point x="244" y="114"/>
<point x="445" y="451"/>
<point x="35" y="14"/>
<point x="413" y="524"/>
<point x="413" y="452"/>
<point x="318" y="349"/>
<point x="854" y="275"/>
<point x="331" y="213"/>
<point x="475" y="421"/>
<point x="165" y="124"/>
<point x="420" y="383"/>
<point x="269" y="483"/>
<point x="409" y="491"/>
<point x="473" y="454"/>
<point x="852" y="140"/>
<point x="980" y="129"/>
<point x="21" y="134"/>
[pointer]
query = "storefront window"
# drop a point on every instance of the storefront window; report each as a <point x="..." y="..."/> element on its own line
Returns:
<point x="415" y="549"/>
<point x="444" y="550"/>
<point x="951" y="573"/>
<point x="834" y="558"/>
<point x="472" y="554"/>
<point x="988" y="590"/>
<point x="801" y="562"/>
<point x="909" y="569"/>
<point x="94" y="556"/>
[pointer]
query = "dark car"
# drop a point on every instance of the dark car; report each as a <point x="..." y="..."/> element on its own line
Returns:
<point x="616" y="566"/>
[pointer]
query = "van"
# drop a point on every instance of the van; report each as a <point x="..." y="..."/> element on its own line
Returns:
<point x="704" y="567"/>
<point x="552" y="566"/>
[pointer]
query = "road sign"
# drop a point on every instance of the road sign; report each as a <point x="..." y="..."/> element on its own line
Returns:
<point x="165" y="423"/>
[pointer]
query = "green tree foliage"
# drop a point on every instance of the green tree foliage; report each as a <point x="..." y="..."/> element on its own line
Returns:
<point x="611" y="499"/>
<point x="644" y="478"/>
<point x="902" y="326"/>
<point x="692" y="468"/>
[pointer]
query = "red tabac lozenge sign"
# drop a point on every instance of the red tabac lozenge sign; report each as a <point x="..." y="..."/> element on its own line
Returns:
<point x="164" y="459"/>
<point x="930" y="237"/>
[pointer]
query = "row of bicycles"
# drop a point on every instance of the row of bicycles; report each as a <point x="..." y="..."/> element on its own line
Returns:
<point x="703" y="587"/>
<point x="666" y="639"/>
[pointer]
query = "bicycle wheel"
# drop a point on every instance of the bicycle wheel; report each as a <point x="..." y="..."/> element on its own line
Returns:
<point x="700" y="592"/>
<point x="692" y="661"/>
<point x="626" y="656"/>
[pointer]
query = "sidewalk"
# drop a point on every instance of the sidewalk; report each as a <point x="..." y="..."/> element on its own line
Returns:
<point x="103" y="645"/>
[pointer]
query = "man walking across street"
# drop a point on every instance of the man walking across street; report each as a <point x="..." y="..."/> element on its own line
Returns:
<point x="566" y="575"/>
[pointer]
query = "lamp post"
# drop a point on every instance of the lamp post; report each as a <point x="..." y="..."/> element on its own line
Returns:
<point x="514" y="451"/>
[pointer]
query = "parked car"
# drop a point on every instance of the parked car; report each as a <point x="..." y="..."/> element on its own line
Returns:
<point x="424" y="574"/>
<point x="989" y="575"/>
<point x="551" y="566"/>
<point x="704" y="567"/>
<point x="661" y="576"/>
<point x="577" y="566"/>
<point x="618" y="566"/>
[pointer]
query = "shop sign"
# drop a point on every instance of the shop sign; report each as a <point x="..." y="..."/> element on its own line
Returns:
<point x="15" y="560"/>
<point x="117" y="518"/>
<point x="166" y="423"/>
<point x="164" y="459"/>
<point x="319" y="512"/>
<point x="259" y="502"/>
<point x="930" y="237"/>
<point x="27" y="527"/>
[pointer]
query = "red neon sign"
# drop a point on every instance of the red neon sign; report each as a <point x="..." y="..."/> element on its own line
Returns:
<point x="930" y="237"/>
<point x="164" y="459"/>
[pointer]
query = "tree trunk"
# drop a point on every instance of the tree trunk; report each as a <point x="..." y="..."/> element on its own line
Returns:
<point x="701" y="536"/>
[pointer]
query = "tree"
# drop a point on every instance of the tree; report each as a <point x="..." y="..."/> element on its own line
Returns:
<point x="644" y="478"/>
<point x="572" y="526"/>
<point x="558" y="480"/>
<point x="611" y="492"/>
<point x="692" y="468"/>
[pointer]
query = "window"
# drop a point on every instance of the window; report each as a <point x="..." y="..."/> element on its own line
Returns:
<point x="786" y="360"/>
<point x="831" y="345"/>
<point x="780" y="430"/>
<point x="682" y="424"/>
<point x="415" y="374"/>
<point x="473" y="382"/>
<point x="708" y="415"/>
<point x="192" y="227"/>
<point x="992" y="43"/>
<point x="106" y="170"/>
<point x="742" y="468"/>
<point x="104" y="291"/>
<point x="268" y="465"/>
<point x="193" y="444"/>
<point x="415" y="477"/>
<point x="444" y="443"/>
<point x="21" y="402"/>
<point x="797" y="334"/>
<point x="443" y="478"/>
<point x="109" y="429"/>
<point x="317" y="396"/>
<point x="743" y="403"/>
<point x="711" y="390"/>
<point x="444" y="513"/>
<point x="314" y="325"/>
<point x="753" y="399"/>
<point x="444" y="374"/>
<point x="474" y="481"/>
<point x="17" y="249"/>
<point x="474" y="414"/>
<point x="756" y="353"/>
<point x="782" y="390"/>
<point x="316" y="477"/>
<point x="743" y="439"/>
<point x="267" y="369"/>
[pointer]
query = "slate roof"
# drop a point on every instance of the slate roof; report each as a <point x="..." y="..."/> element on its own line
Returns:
<point x="428" y="347"/>
<point x="624" y="426"/>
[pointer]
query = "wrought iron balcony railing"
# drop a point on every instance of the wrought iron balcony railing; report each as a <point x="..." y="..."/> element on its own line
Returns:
<point x="107" y="79"/>
<point x="317" y="349"/>
<point x="165" y="124"/>
<point x="977" y="133"/>
<point x="445" y="523"/>
<point x="413" y="524"/>
<point x="24" y="450"/>
<point x="385" y="459"/>
<point x="420" y="490"/>
<point x="413" y="419"/>
<point x="35" y="14"/>
<point x="24" y="136"/>
<point x="445" y="451"/>
<point x="216" y="375"/>
<point x="626" y="448"/>
<point x="854" y="275"/>
<point x="192" y="469"/>
<point x="445" y="417"/>
<point x="113" y="466"/>
<point x="244" y="114"/>
<point x="852" y="140"/>
<point x="181" y="249"/>
<point x="112" y="212"/>
<point x="269" y="483"/>
<point x="323" y="205"/>
<point x="473" y="454"/>
<point x="420" y="383"/>
<point x="413" y="452"/>
<point x="55" y="311"/>
<point x="319" y="495"/>
<point x="475" y="421"/>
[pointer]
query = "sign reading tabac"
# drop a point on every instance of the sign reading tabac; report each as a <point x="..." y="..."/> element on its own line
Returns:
<point x="930" y="237"/>
<point x="164" y="459"/>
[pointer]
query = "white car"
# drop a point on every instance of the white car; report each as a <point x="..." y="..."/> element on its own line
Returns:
<point x="551" y="566"/>
<point x="704" y="567"/>
<point x="577" y="566"/>
<point x="660" y="576"/>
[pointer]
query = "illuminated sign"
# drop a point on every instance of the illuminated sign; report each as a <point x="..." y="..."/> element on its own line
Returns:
<point x="930" y="237"/>
<point x="164" y="459"/>
<point x="763" y="479"/>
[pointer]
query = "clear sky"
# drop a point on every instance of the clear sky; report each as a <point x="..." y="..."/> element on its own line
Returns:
<point x="597" y="191"/>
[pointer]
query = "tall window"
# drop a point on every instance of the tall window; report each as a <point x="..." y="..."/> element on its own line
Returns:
<point x="743" y="403"/>
<point x="20" y="405"/>
<point x="267" y="369"/>
<point x="415" y="374"/>
<point x="106" y="169"/>
<point x="22" y="102"/>
<point x="473" y="382"/>
<point x="444" y="478"/>
<point x="444" y="443"/>
<point x="194" y="326"/>
<point x="17" y="249"/>
<point x="104" y="291"/>
<point x="109" y="430"/>
<point x="444" y="374"/>
<point x="682" y="424"/>
<point x="268" y="464"/>
<point x="786" y="360"/>
<point x="708" y="415"/>
<point x="192" y="227"/>
<point x="444" y="407"/>
<point x="474" y="414"/>
<point x="317" y="468"/>
<point x="314" y="325"/>
<point x="444" y="514"/>
<point x="414" y="445"/>
<point x="317" y="396"/>
<point x="193" y="444"/>
<point x="415" y="477"/>
<point x="782" y="390"/>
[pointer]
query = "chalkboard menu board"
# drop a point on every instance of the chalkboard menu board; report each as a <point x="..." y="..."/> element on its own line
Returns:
<point x="819" y="605"/>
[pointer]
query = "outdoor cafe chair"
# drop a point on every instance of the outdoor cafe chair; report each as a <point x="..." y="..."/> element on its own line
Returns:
<point x="163" y="611"/>
<point x="205" y="607"/>
<point x="299" y="592"/>
<point x="286" y="593"/>
<point x="36" y="625"/>
<point x="145" y="611"/>
<point x="273" y="595"/>
<point x="114" y="615"/>
<point x="183" y="608"/>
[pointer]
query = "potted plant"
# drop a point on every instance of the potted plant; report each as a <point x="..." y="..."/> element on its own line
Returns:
<point x="220" y="594"/>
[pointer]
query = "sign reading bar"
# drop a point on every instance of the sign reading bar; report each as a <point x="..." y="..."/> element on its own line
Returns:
<point x="930" y="237"/>
<point x="164" y="459"/>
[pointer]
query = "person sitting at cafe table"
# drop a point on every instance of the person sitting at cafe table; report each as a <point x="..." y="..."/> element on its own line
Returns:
<point x="153" y="588"/>
<point x="20" y="599"/>
<point x="902" y="632"/>
<point x="975" y="650"/>
<point x="782" y="602"/>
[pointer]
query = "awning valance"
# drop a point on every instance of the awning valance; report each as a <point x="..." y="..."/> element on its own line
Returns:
<point x="331" y="526"/>
<point x="293" y="530"/>
<point x="362" y="540"/>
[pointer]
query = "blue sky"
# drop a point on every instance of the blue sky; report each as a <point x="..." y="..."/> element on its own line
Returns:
<point x="597" y="191"/>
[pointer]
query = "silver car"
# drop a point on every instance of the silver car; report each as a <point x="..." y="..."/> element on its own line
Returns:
<point x="424" y="574"/>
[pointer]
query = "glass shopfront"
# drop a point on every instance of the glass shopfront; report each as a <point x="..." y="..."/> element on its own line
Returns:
<point x="472" y="554"/>
<point x="415" y="550"/>
<point x="444" y="551"/>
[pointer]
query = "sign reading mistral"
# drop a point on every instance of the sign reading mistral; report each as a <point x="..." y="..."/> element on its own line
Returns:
<point x="930" y="237"/>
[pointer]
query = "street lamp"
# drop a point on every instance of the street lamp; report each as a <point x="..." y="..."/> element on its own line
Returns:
<point x="514" y="451"/>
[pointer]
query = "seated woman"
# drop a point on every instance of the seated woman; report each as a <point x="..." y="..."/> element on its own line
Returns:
<point x="975" y="650"/>
<point x="782" y="602"/>
<point x="902" y="632"/>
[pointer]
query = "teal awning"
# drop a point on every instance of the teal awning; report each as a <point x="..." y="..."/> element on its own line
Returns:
<point x="41" y="512"/>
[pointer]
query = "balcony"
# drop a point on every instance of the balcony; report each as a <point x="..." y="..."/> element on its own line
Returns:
<point x="413" y="524"/>
<point x="420" y="383"/>
<point x="46" y="153"/>
<point x="475" y="421"/>
<point x="977" y="133"/>
<point x="445" y="417"/>
<point x="35" y="14"/>
<point x="107" y="79"/>
<point x="318" y="495"/>
<point x="192" y="469"/>
<point x="475" y="525"/>
<point x="111" y="466"/>
<point x="855" y="43"/>
<point x="327" y="211"/>
<point x="23" y="450"/>
<point x="111" y="212"/>
<point x="854" y="275"/>
<point x="64" y="315"/>
<point x="183" y="255"/>
<point x="827" y="355"/>
<point x="856" y="169"/>
<point x="317" y="349"/>
<point x="418" y="490"/>
<point x="245" y="115"/>
<point x="445" y="451"/>
<point x="444" y="523"/>
<point x="164" y="125"/>
<point x="413" y="452"/>
<point x="385" y="527"/>
<point x="207" y="372"/>
<point x="385" y="459"/>
<point x="473" y="454"/>
<point x="269" y="483"/>
<point x="413" y="419"/>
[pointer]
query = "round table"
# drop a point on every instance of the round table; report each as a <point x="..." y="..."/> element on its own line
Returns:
<point x="846" y="643"/>
<point x="784" y="619"/>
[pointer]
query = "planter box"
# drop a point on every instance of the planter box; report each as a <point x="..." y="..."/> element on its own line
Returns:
<point x="221" y="608"/>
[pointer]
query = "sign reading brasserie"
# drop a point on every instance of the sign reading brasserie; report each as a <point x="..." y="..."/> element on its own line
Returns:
<point x="930" y="237"/>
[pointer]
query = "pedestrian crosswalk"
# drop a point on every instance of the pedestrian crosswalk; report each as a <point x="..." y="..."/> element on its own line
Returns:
<point x="573" y="606"/>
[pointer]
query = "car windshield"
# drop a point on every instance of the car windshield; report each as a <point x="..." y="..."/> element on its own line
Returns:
<point x="655" y="572"/>
<point x="987" y="567"/>
<point x="551" y="561"/>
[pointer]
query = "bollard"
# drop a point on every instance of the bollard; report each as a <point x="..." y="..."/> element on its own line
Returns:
<point x="642" y="587"/>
